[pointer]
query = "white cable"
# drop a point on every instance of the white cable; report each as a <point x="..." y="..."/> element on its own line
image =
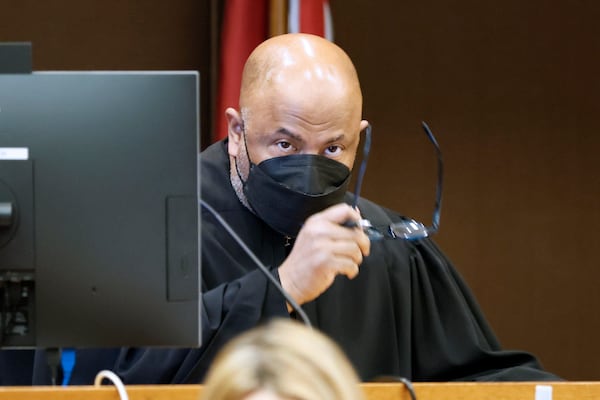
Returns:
<point x="111" y="376"/>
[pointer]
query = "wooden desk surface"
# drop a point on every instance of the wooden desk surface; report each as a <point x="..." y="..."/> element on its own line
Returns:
<point x="373" y="391"/>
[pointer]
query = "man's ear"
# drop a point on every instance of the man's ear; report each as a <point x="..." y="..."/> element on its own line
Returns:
<point x="235" y="126"/>
<point x="363" y="124"/>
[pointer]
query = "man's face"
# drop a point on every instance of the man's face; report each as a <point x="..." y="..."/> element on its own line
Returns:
<point x="282" y="126"/>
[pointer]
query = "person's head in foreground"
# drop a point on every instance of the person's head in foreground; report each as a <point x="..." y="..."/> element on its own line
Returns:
<point x="282" y="360"/>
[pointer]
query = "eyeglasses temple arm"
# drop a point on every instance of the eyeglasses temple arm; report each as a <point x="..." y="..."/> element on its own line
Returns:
<point x="440" y="179"/>
<point x="363" y="166"/>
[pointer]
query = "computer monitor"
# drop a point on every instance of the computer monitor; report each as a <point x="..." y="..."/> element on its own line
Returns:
<point x="99" y="221"/>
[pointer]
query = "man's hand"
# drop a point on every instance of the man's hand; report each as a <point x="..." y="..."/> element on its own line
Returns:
<point x="323" y="249"/>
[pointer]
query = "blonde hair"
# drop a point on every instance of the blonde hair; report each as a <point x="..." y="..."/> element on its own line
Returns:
<point x="285" y="358"/>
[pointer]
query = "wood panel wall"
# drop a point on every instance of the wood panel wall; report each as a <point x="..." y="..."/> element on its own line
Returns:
<point x="510" y="89"/>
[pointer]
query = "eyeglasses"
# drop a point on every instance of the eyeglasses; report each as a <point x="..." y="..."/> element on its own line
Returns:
<point x="408" y="229"/>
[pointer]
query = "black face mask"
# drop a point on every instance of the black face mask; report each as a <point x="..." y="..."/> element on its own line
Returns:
<point x="285" y="191"/>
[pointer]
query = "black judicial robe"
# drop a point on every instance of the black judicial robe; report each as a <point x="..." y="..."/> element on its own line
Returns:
<point x="408" y="312"/>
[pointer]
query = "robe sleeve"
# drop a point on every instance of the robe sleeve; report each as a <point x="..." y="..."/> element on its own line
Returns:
<point x="227" y="310"/>
<point x="453" y="339"/>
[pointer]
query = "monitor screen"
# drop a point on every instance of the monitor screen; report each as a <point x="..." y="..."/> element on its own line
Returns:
<point x="99" y="223"/>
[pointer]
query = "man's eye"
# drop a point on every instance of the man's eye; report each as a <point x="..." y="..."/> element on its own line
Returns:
<point x="333" y="150"/>
<point x="285" y="146"/>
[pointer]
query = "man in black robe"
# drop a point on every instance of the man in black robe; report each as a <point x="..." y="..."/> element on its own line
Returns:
<point x="397" y="308"/>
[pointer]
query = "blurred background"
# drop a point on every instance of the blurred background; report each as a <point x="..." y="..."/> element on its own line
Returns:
<point x="510" y="89"/>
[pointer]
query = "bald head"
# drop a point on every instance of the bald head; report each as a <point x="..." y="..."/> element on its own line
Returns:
<point x="307" y="67"/>
<point x="300" y="95"/>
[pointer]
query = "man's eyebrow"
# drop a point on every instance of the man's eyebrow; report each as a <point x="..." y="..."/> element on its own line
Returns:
<point x="338" y="138"/>
<point x="285" y="132"/>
